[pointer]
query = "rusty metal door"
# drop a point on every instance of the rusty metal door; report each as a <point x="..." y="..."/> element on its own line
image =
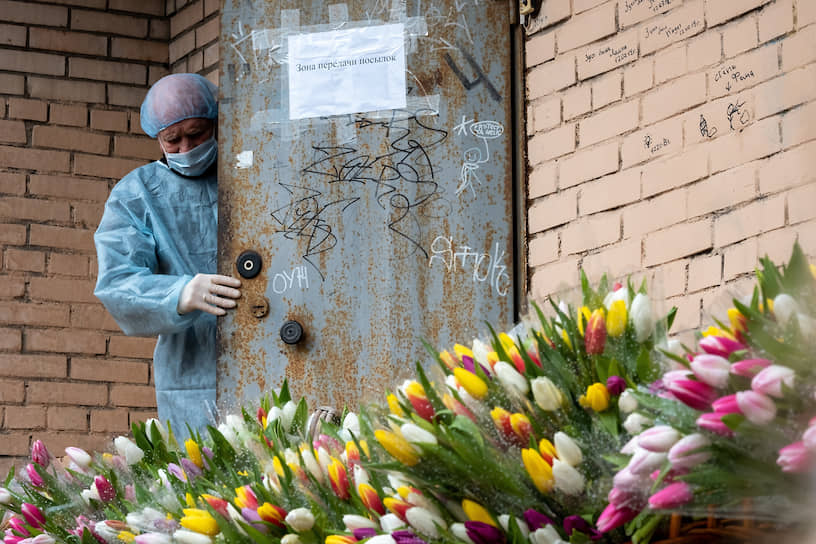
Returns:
<point x="371" y="229"/>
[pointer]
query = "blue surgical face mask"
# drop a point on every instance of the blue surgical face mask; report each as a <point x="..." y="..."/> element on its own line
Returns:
<point x="196" y="161"/>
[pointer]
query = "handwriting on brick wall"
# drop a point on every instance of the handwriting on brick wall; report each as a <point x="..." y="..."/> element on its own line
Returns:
<point x="608" y="55"/>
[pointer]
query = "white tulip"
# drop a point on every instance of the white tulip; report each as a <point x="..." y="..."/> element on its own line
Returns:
<point x="274" y="414"/>
<point x="145" y="520"/>
<point x="42" y="538"/>
<point x="784" y="307"/>
<point x="311" y="464"/>
<point x="567" y="450"/>
<point x="627" y="403"/>
<point x="78" y="456"/>
<point x="5" y="496"/>
<point x="183" y="536"/>
<point x="288" y="414"/>
<point x="106" y="532"/>
<point x="480" y="351"/>
<point x="640" y="314"/>
<point x="807" y="325"/>
<point x="351" y="423"/>
<point x="290" y="539"/>
<point x="567" y="479"/>
<point x="300" y="519"/>
<point x="415" y="434"/>
<point x="424" y="521"/>
<point x="391" y="523"/>
<point x="545" y="535"/>
<point x="635" y="423"/>
<point x="353" y="521"/>
<point x="460" y="532"/>
<point x="504" y="521"/>
<point x="381" y="539"/>
<point x="127" y="449"/>
<point x="158" y="425"/>
<point x="545" y="393"/>
<point x="360" y="475"/>
<point x="236" y="517"/>
<point x="510" y="378"/>
<point x="324" y="459"/>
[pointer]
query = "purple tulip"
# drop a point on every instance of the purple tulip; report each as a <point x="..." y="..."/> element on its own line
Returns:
<point x="536" y="520"/>
<point x="405" y="536"/>
<point x="254" y="519"/>
<point x="613" y="517"/>
<point x="748" y="368"/>
<point x="130" y="493"/>
<point x="769" y="380"/>
<point x="39" y="454"/>
<point x="615" y="385"/>
<point x="686" y="453"/>
<point x="694" y="394"/>
<point x="713" y="422"/>
<point x="468" y="364"/>
<point x="364" y="532"/>
<point x="104" y="489"/>
<point x="177" y="471"/>
<point x="671" y="496"/>
<point x="482" y="533"/>
<point x="577" y="523"/>
<point x="720" y="345"/>
<point x="190" y="468"/>
<point x="711" y="369"/>
<point x="795" y="458"/>
<point x="34" y="476"/>
<point x="726" y="405"/>
<point x="659" y="438"/>
<point x="756" y="407"/>
<point x="33" y="516"/>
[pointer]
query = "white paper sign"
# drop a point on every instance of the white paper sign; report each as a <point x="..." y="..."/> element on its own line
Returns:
<point x="347" y="71"/>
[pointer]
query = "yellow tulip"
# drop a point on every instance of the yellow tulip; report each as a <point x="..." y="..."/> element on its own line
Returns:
<point x="188" y="498"/>
<point x="200" y="521"/>
<point x="473" y="384"/>
<point x="394" y="406"/>
<point x="716" y="331"/>
<point x="547" y="450"/>
<point x="278" y="466"/>
<point x="492" y="358"/>
<point x="583" y="318"/>
<point x="737" y="321"/>
<point x="461" y="351"/>
<point x="616" y="318"/>
<point x="539" y="470"/>
<point x="597" y="397"/>
<point x="364" y="445"/>
<point x="397" y="446"/>
<point x="340" y="539"/>
<point x="476" y="512"/>
<point x="448" y="359"/>
<point x="126" y="536"/>
<point x="507" y="342"/>
<point x="813" y="271"/>
<point x="194" y="452"/>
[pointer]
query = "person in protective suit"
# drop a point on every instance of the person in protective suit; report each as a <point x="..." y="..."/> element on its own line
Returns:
<point x="156" y="247"/>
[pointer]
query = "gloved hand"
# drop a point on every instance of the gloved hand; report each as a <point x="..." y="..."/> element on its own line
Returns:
<point x="210" y="293"/>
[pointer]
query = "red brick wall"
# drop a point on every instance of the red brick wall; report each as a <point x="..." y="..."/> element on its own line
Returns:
<point x="623" y="178"/>
<point x="72" y="76"/>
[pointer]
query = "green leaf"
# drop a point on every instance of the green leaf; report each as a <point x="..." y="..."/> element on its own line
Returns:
<point x="433" y="397"/>
<point x="469" y="427"/>
<point x="733" y="421"/>
<point x="670" y="317"/>
<point x="609" y="421"/>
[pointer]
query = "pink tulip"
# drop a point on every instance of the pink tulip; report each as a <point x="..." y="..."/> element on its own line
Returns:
<point x="621" y="497"/>
<point x="713" y="422"/>
<point x="39" y="454"/>
<point x="720" y="345"/>
<point x="104" y="489"/>
<point x="769" y="380"/>
<point x="726" y="405"/>
<point x="673" y="375"/>
<point x="11" y="538"/>
<point x="18" y="525"/>
<point x="644" y="461"/>
<point x="658" y="439"/>
<point x="711" y="369"/>
<point x="614" y="516"/>
<point x="628" y="481"/>
<point x="686" y="453"/>
<point x="756" y="407"/>
<point x="795" y="458"/>
<point x="694" y="394"/>
<point x="34" y="476"/>
<point x="671" y="496"/>
<point x="749" y="367"/>
<point x="33" y="515"/>
<point x="809" y="438"/>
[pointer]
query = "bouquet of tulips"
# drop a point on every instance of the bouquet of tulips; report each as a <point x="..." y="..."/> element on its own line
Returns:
<point x="735" y="421"/>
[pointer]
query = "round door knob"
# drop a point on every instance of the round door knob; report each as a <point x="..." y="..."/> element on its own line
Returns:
<point x="248" y="264"/>
<point x="291" y="332"/>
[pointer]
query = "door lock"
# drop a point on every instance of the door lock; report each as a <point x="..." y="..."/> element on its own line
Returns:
<point x="260" y="308"/>
<point x="291" y="332"/>
<point x="249" y="264"/>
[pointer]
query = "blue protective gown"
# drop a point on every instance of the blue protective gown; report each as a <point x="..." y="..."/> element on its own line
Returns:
<point x="159" y="229"/>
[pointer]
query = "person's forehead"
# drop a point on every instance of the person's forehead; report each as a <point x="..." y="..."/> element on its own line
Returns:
<point x="187" y="125"/>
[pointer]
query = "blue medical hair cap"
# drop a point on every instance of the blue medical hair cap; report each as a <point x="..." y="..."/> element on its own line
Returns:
<point x="175" y="98"/>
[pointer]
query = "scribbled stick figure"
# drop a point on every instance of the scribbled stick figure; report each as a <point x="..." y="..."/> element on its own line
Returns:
<point x="473" y="158"/>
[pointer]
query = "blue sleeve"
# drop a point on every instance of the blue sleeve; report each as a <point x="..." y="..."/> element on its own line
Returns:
<point x="142" y="302"/>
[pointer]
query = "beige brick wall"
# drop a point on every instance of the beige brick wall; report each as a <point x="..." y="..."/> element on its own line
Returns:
<point x="73" y="74"/>
<point x="673" y="140"/>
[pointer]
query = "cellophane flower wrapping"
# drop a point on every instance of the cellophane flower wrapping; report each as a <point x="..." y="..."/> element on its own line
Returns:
<point x="585" y="422"/>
